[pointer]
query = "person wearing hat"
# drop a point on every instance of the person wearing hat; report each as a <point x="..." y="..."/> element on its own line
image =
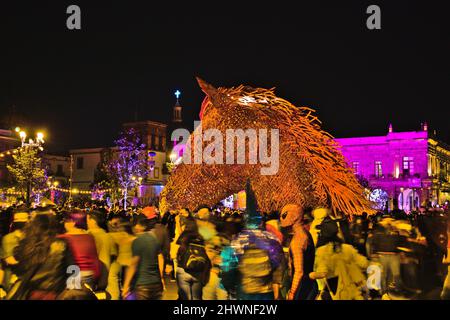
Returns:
<point x="252" y="265"/>
<point x="9" y="243"/>
<point x="338" y="267"/>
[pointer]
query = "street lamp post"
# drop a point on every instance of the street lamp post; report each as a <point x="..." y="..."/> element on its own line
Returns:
<point x="401" y="192"/>
<point x="174" y="160"/>
<point x="36" y="143"/>
<point x="70" y="181"/>
<point x="173" y="157"/>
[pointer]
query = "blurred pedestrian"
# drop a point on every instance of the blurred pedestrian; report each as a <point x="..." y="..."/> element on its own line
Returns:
<point x="445" y="294"/>
<point x="122" y="234"/>
<point x="301" y="255"/>
<point x="83" y="248"/>
<point x="106" y="248"/>
<point x="339" y="266"/>
<point x="143" y="278"/>
<point x="9" y="243"/>
<point x="43" y="260"/>
<point x="193" y="264"/>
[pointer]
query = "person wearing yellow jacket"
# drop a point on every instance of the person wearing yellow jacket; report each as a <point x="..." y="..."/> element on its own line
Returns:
<point x="338" y="266"/>
<point x="319" y="214"/>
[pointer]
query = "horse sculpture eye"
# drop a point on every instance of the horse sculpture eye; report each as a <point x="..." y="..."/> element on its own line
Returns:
<point x="284" y="215"/>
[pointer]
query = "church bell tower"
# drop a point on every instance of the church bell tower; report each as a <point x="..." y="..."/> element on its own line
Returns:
<point x="176" y="117"/>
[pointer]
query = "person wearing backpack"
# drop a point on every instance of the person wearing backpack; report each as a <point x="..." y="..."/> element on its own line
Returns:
<point x="252" y="265"/>
<point x="193" y="264"/>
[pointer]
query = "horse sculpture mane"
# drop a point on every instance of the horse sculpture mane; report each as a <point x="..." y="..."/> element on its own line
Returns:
<point x="312" y="171"/>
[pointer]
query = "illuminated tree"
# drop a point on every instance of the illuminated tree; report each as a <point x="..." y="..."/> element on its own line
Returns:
<point x="28" y="169"/>
<point x="105" y="177"/>
<point x="130" y="163"/>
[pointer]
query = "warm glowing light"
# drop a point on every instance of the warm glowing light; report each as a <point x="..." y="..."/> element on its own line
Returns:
<point x="17" y="129"/>
<point x="429" y="169"/>
<point x="178" y="161"/>
<point x="55" y="183"/>
<point x="40" y="136"/>
<point x="246" y="100"/>
<point x="22" y="134"/>
<point x="172" y="157"/>
<point x="397" y="171"/>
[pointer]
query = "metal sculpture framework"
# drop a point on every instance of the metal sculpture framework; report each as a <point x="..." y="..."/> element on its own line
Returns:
<point x="312" y="171"/>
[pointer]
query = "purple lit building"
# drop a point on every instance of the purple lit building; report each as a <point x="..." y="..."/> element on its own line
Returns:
<point x="409" y="168"/>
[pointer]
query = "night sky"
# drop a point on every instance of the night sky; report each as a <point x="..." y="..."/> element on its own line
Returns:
<point x="130" y="57"/>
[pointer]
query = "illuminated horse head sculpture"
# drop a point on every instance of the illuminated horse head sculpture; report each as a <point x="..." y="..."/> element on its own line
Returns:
<point x="311" y="171"/>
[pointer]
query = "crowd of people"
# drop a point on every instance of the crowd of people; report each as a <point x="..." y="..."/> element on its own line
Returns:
<point x="218" y="253"/>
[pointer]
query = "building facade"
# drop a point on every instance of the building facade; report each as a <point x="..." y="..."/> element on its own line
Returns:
<point x="58" y="168"/>
<point x="153" y="135"/>
<point x="8" y="141"/>
<point x="408" y="169"/>
<point x="84" y="166"/>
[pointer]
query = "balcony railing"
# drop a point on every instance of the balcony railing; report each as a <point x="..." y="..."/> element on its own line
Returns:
<point x="401" y="176"/>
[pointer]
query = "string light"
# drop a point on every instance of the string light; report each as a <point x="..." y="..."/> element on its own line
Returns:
<point x="76" y="191"/>
<point x="39" y="140"/>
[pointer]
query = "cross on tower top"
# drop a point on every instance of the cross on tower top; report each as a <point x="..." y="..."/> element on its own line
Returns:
<point x="177" y="108"/>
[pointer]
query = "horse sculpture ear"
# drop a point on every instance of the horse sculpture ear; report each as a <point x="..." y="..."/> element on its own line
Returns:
<point x="207" y="88"/>
<point x="214" y="96"/>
